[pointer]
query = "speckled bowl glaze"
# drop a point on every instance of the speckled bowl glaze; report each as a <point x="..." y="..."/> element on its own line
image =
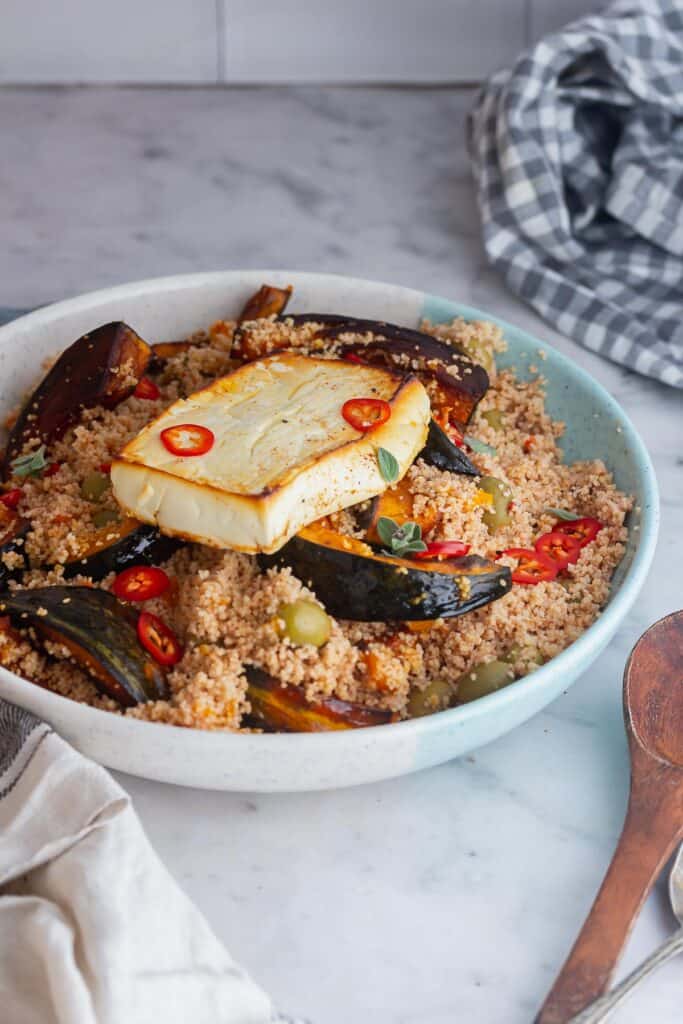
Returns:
<point x="175" y="306"/>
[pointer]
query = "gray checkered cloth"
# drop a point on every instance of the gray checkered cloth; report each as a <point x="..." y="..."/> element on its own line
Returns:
<point x="578" y="157"/>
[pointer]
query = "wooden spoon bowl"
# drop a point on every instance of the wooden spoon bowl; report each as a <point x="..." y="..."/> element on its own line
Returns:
<point x="653" y="713"/>
<point x="653" y="691"/>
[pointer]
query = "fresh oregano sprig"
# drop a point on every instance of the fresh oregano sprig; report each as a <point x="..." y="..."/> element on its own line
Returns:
<point x="400" y="541"/>
<point x="31" y="464"/>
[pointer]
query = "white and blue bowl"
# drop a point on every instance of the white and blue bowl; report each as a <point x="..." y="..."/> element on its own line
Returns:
<point x="173" y="307"/>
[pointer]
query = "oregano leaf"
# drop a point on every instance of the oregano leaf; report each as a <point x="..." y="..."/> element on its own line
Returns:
<point x="388" y="465"/>
<point x="561" y="513"/>
<point x="415" y="545"/>
<point x="386" y="528"/>
<point x="479" y="446"/>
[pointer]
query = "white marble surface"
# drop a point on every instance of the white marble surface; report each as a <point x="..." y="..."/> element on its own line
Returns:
<point x="448" y="896"/>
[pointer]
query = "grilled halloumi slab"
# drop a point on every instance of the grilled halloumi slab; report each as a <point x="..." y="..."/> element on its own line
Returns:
<point x="283" y="455"/>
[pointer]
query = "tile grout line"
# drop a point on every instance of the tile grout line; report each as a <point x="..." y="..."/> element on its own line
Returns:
<point x="443" y="85"/>
<point x="528" y="15"/>
<point x="220" y="41"/>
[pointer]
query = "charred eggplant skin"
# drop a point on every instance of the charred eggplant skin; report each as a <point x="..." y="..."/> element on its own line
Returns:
<point x="355" y="581"/>
<point x="135" y="544"/>
<point x="99" y="631"/>
<point x="100" y="369"/>
<point x="284" y="708"/>
<point x="440" y="452"/>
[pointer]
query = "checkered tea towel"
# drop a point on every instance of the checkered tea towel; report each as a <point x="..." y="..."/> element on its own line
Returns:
<point x="93" y="929"/>
<point x="578" y="157"/>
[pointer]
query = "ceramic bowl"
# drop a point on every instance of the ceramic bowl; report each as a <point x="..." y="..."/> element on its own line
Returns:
<point x="175" y="306"/>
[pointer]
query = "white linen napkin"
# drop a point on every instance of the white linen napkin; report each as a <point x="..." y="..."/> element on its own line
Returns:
<point x="93" y="930"/>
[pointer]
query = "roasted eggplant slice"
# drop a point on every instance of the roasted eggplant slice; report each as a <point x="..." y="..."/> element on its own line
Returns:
<point x="165" y="350"/>
<point x="355" y="581"/>
<point x="455" y="382"/>
<point x="113" y="548"/>
<point x="458" y="382"/>
<point x="119" y="545"/>
<point x="99" y="631"/>
<point x="439" y="451"/>
<point x="101" y="368"/>
<point x="267" y="301"/>
<point x="284" y="707"/>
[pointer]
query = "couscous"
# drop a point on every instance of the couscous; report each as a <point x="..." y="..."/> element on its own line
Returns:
<point x="522" y="545"/>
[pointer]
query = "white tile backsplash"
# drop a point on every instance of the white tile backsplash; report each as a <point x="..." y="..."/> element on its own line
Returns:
<point x="549" y="15"/>
<point x="370" y="40"/>
<point x="103" y="41"/>
<point x="252" y="41"/>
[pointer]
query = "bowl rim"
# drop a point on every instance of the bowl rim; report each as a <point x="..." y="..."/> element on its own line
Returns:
<point x="568" y="661"/>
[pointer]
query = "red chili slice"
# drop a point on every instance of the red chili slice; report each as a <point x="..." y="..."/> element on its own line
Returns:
<point x="365" y="413"/>
<point x="583" y="530"/>
<point x="53" y="468"/>
<point x="450" y="429"/>
<point x="532" y="566"/>
<point x="161" y="642"/>
<point x="146" y="388"/>
<point x="351" y="357"/>
<point x="140" y="583"/>
<point x="560" y="547"/>
<point x="12" y="498"/>
<point x="188" y="439"/>
<point x="105" y="467"/>
<point x="455" y="435"/>
<point x="440" y="549"/>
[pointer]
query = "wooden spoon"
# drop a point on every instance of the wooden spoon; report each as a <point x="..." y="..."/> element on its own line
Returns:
<point x="653" y="712"/>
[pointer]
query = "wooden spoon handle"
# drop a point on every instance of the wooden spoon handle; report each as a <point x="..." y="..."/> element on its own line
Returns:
<point x="602" y="1008"/>
<point x="649" y="835"/>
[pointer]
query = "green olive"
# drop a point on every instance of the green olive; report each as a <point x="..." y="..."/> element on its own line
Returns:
<point x="435" y="697"/>
<point x="104" y="517"/>
<point x="495" y="418"/>
<point x="530" y="654"/>
<point x="481" y="352"/>
<point x="496" y="514"/>
<point x="513" y="654"/>
<point x="94" y="486"/>
<point x="482" y="679"/>
<point x="305" y="622"/>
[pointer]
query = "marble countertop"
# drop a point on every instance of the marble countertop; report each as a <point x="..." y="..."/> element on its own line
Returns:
<point x="455" y="894"/>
